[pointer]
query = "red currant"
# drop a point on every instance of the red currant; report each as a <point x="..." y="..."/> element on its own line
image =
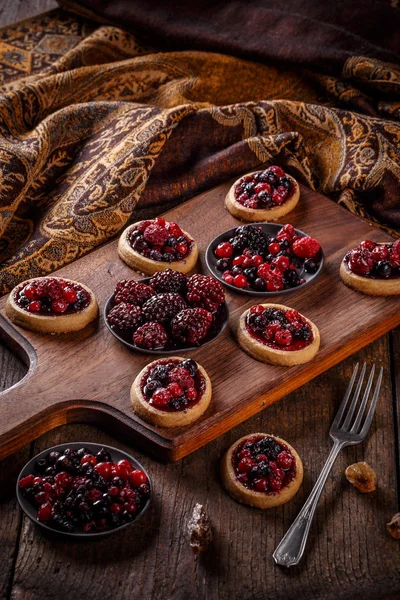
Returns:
<point x="137" y="477"/>
<point x="30" y="292"/>
<point x="367" y="245"/>
<point x="45" y="512"/>
<point x="69" y="295"/>
<point x="245" y="465"/>
<point x="284" y="460"/>
<point x="274" y="248"/>
<point x="258" y="309"/>
<point x="59" y="306"/>
<point x="240" y="281"/>
<point x="89" y="458"/>
<point x="182" y="248"/>
<point x="35" y="306"/>
<point x="257" y="260"/>
<point x="261" y="484"/>
<point x="224" y="250"/>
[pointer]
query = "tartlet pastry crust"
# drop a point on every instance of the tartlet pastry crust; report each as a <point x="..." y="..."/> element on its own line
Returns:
<point x="145" y="265"/>
<point x="254" y="498"/>
<point x="371" y="287"/>
<point x="161" y="418"/>
<point x="264" y="353"/>
<point x="261" y="214"/>
<point x="54" y="323"/>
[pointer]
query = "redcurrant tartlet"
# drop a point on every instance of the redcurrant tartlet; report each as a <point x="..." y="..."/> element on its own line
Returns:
<point x="171" y="392"/>
<point x="262" y="470"/>
<point x="156" y="245"/>
<point x="263" y="195"/>
<point x="51" y="305"/>
<point x="373" y="268"/>
<point x="278" y="335"/>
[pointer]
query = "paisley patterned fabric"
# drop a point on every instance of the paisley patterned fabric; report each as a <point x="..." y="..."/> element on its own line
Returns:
<point x="95" y="125"/>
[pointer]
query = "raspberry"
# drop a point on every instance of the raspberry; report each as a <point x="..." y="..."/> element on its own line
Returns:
<point x="156" y="234"/>
<point x="306" y="247"/>
<point x="151" y="336"/>
<point x="180" y="376"/>
<point x="175" y="389"/>
<point x="168" y="281"/>
<point x="263" y="270"/>
<point x="125" y="316"/>
<point x="58" y="306"/>
<point x="283" y="337"/>
<point x="174" y="230"/>
<point x="132" y="292"/>
<point x="191" y="325"/>
<point x="276" y="170"/>
<point x="205" y="291"/>
<point x="163" y="307"/>
<point x="361" y="262"/>
<point x="288" y="230"/>
<point x="284" y="460"/>
<point x="367" y="245"/>
<point x="161" y="397"/>
<point x="396" y="250"/>
<point x="51" y="288"/>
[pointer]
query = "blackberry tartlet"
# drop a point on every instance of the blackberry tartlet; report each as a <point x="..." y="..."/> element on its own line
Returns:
<point x="262" y="470"/>
<point x="263" y="195"/>
<point x="373" y="268"/>
<point x="156" y="245"/>
<point x="171" y="392"/>
<point x="51" y="305"/>
<point x="278" y="335"/>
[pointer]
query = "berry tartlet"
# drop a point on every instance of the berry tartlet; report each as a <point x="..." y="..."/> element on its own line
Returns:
<point x="263" y="195"/>
<point x="278" y="335"/>
<point x="156" y="245"/>
<point x="81" y="489"/>
<point x="51" y="305"/>
<point x="262" y="470"/>
<point x="167" y="312"/>
<point x="171" y="392"/>
<point x="253" y="261"/>
<point x="373" y="268"/>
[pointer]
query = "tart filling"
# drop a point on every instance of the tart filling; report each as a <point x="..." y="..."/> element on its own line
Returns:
<point x="374" y="260"/>
<point x="264" y="189"/>
<point x="50" y="297"/>
<point x="160" y="240"/>
<point x="172" y="385"/>
<point x="253" y="260"/>
<point x="280" y="329"/>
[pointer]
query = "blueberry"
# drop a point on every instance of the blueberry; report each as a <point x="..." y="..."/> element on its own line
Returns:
<point x="171" y="242"/>
<point x="384" y="268"/>
<point x="249" y="188"/>
<point x="82" y="452"/>
<point x="103" y="455"/>
<point x="159" y="372"/>
<point x="259" y="284"/>
<point x="191" y="366"/>
<point x="41" y="465"/>
<point x="251" y="274"/>
<point x="222" y="264"/>
<point x="237" y="270"/>
<point x="310" y="265"/>
<point x="136" y="233"/>
<point x="139" y="244"/>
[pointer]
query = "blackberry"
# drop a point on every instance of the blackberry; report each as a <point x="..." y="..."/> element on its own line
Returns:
<point x="280" y="316"/>
<point x="191" y="325"/>
<point x="163" y="307"/>
<point x="268" y="177"/>
<point x="303" y="334"/>
<point x="258" y="322"/>
<point x="168" y="257"/>
<point x="264" y="200"/>
<point x="269" y="447"/>
<point x="292" y="278"/>
<point x="249" y="188"/>
<point x="125" y="317"/>
<point x="310" y="265"/>
<point x="151" y="336"/>
<point x="159" y="372"/>
<point x="169" y="281"/>
<point x="132" y="292"/>
<point x="205" y="291"/>
<point x="255" y="238"/>
<point x="285" y="182"/>
<point x="156" y="255"/>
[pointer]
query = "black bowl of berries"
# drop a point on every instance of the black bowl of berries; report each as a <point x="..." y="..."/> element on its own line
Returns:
<point x="83" y="490"/>
<point x="264" y="259"/>
<point x="167" y="313"/>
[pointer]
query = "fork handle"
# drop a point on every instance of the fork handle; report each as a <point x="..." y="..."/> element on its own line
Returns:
<point x="290" y="549"/>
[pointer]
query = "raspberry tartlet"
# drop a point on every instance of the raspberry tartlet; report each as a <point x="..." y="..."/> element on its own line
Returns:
<point x="156" y="245"/>
<point x="171" y="392"/>
<point x="252" y="260"/>
<point x="278" y="335"/>
<point x="51" y="305"/>
<point x="373" y="268"/>
<point x="262" y="470"/>
<point x="167" y="312"/>
<point x="263" y="195"/>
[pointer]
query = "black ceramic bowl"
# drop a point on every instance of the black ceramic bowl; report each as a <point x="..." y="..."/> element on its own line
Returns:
<point x="220" y="321"/>
<point x="271" y="229"/>
<point x="116" y="455"/>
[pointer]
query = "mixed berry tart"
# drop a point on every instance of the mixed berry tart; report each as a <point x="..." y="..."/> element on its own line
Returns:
<point x="51" y="305"/>
<point x="81" y="489"/>
<point x="278" y="335"/>
<point x="170" y="311"/>
<point x="263" y="195"/>
<point x="373" y="268"/>
<point x="252" y="260"/>
<point x="171" y="392"/>
<point x="262" y="470"/>
<point x="156" y="245"/>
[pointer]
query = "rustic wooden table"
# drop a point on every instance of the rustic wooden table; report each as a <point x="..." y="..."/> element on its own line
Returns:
<point x="349" y="554"/>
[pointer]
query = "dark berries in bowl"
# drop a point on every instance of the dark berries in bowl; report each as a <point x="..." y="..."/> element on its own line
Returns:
<point x="92" y="491"/>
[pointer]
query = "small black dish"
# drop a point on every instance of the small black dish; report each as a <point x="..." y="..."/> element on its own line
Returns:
<point x="221" y="318"/>
<point x="271" y="229"/>
<point x="116" y="455"/>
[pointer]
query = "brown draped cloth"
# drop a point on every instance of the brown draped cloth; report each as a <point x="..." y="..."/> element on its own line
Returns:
<point x="109" y="107"/>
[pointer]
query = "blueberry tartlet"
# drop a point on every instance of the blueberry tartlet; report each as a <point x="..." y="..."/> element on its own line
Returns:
<point x="77" y="491"/>
<point x="262" y="470"/>
<point x="171" y="392"/>
<point x="263" y="195"/>
<point x="277" y="335"/>
<point x="171" y="311"/>
<point x="373" y="268"/>
<point x="151" y="246"/>
<point x="51" y="305"/>
<point x="254" y="260"/>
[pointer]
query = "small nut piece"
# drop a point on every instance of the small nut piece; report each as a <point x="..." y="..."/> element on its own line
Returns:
<point x="199" y="528"/>
<point x="394" y="526"/>
<point x="362" y="476"/>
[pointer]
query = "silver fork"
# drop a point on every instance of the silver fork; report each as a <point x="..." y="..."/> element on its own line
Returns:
<point x="291" y="548"/>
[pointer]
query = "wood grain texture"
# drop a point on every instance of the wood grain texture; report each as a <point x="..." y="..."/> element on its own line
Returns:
<point x="56" y="391"/>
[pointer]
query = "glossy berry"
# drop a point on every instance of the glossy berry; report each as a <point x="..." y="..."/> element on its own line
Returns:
<point x="240" y="281"/>
<point x="284" y="460"/>
<point x="274" y="248"/>
<point x="245" y="465"/>
<point x="69" y="295"/>
<point x="137" y="478"/>
<point x="45" y="512"/>
<point x="35" y="306"/>
<point x="224" y="250"/>
<point x="261" y="484"/>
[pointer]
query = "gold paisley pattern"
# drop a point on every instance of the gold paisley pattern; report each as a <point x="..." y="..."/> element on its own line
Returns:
<point x="94" y="124"/>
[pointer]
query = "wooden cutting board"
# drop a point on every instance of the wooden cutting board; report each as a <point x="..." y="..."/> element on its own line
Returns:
<point x="86" y="376"/>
